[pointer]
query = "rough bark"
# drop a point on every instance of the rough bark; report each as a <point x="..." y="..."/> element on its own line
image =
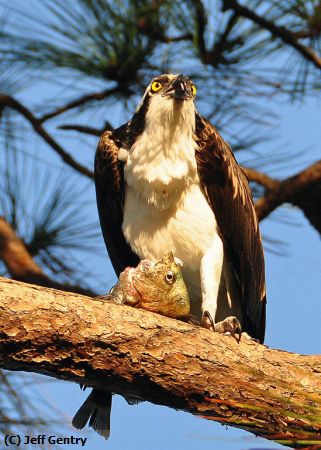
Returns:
<point x="272" y="393"/>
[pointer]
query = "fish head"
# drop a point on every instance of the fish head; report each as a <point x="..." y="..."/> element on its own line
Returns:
<point x="161" y="287"/>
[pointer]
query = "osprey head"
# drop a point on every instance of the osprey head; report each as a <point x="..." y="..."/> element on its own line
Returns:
<point x="168" y="90"/>
<point x="168" y="102"/>
<point x="175" y="87"/>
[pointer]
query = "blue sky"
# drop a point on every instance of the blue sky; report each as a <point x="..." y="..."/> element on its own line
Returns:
<point x="293" y="309"/>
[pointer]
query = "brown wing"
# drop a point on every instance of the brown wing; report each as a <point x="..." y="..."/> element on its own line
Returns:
<point x="109" y="180"/>
<point x="227" y="190"/>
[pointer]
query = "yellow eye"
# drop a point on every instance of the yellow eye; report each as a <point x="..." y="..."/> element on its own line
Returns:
<point x="156" y="86"/>
<point x="194" y="89"/>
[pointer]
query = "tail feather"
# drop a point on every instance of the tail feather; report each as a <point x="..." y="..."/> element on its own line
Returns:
<point x="96" y="408"/>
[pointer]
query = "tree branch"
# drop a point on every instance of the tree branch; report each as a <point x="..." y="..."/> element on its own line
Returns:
<point x="85" y="129"/>
<point x="22" y="266"/>
<point x="278" y="31"/>
<point x="274" y="394"/>
<point x="95" y="96"/>
<point x="201" y="21"/>
<point x="10" y="102"/>
<point x="260" y="178"/>
<point x="290" y="190"/>
<point x="304" y="34"/>
<point x="169" y="39"/>
<point x="223" y="45"/>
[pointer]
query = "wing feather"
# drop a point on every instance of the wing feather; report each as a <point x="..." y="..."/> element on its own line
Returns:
<point x="109" y="181"/>
<point x="228" y="193"/>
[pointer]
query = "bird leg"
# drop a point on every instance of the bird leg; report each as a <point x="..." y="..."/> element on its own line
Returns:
<point x="211" y="272"/>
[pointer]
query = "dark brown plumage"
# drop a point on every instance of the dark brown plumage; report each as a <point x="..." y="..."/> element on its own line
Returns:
<point x="109" y="180"/>
<point x="227" y="190"/>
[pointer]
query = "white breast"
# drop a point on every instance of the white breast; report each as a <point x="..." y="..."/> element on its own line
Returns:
<point x="161" y="163"/>
<point x="165" y="209"/>
<point x="186" y="228"/>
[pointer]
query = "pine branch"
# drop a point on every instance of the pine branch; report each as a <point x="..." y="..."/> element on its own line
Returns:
<point x="21" y="265"/>
<point x="85" y="129"/>
<point x="201" y="21"/>
<point x="304" y="34"/>
<point x="215" y="56"/>
<point x="278" y="31"/>
<point x="169" y="39"/>
<point x="10" y="102"/>
<point x="272" y="393"/>
<point x="95" y="96"/>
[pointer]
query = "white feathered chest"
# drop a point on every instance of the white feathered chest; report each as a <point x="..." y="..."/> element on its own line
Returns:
<point x="165" y="209"/>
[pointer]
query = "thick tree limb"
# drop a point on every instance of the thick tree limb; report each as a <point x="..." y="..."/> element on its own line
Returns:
<point x="260" y="178"/>
<point x="278" y="31"/>
<point x="295" y="190"/>
<point x="10" y="102"/>
<point x="274" y="394"/>
<point x="21" y="265"/>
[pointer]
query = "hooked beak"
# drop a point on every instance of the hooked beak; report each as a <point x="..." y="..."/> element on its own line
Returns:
<point x="179" y="89"/>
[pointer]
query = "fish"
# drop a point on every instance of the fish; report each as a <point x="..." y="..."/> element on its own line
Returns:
<point x="158" y="287"/>
<point x="155" y="286"/>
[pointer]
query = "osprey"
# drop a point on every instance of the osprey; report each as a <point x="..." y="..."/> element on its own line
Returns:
<point x="167" y="181"/>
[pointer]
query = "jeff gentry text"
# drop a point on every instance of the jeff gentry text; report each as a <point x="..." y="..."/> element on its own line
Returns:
<point x="42" y="439"/>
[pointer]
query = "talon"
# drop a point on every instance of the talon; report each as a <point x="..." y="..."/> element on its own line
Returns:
<point x="103" y="297"/>
<point x="230" y="325"/>
<point x="207" y="321"/>
<point x="237" y="334"/>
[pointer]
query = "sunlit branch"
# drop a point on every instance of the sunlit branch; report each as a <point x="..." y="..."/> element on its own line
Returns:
<point x="271" y="393"/>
